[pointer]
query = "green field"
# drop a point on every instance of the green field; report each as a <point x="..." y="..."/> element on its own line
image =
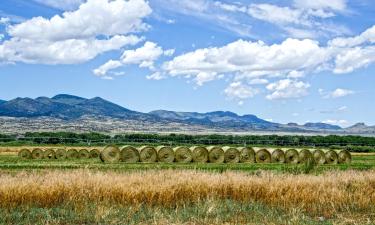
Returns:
<point x="12" y="162"/>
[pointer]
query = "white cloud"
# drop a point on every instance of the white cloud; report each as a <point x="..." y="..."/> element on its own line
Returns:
<point x="336" y="5"/>
<point x="156" y="76"/>
<point x="237" y="90"/>
<point x="78" y="36"/>
<point x="258" y="81"/>
<point x="144" y="56"/>
<point x="110" y="65"/>
<point x="287" y="88"/>
<point x="367" y="36"/>
<point x="96" y="17"/>
<point x="339" y="93"/>
<point x="275" y="14"/>
<point x="61" y="4"/>
<point x="338" y="122"/>
<point x="336" y="110"/>
<point x="72" y="51"/>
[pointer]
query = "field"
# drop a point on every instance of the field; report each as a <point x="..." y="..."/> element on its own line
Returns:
<point x="90" y="192"/>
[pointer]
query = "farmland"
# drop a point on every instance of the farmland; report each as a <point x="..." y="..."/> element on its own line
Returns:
<point x="88" y="191"/>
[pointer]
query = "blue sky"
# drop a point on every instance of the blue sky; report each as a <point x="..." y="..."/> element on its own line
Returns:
<point x="285" y="61"/>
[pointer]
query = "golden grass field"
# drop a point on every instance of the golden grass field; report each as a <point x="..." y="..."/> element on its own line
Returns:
<point x="328" y="193"/>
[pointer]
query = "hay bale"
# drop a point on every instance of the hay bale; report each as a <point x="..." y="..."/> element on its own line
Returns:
<point x="37" y="153"/>
<point x="49" y="154"/>
<point x="304" y="155"/>
<point x="165" y="154"/>
<point x="94" y="153"/>
<point x="231" y="155"/>
<point x="344" y="156"/>
<point x="262" y="156"/>
<point x="291" y="156"/>
<point x="215" y="154"/>
<point x="83" y="154"/>
<point x="331" y="157"/>
<point x="129" y="154"/>
<point x="247" y="154"/>
<point x="319" y="156"/>
<point x="148" y="154"/>
<point x="60" y="154"/>
<point x="183" y="154"/>
<point x="24" y="154"/>
<point x="200" y="154"/>
<point x="72" y="154"/>
<point x="110" y="154"/>
<point x="277" y="156"/>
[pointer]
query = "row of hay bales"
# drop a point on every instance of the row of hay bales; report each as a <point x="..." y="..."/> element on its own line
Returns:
<point x="38" y="153"/>
<point x="216" y="154"/>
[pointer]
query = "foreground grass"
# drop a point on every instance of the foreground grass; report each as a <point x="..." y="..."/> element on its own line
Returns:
<point x="186" y="197"/>
<point x="208" y="212"/>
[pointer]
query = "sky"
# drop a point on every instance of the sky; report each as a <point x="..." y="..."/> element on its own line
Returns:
<point x="284" y="61"/>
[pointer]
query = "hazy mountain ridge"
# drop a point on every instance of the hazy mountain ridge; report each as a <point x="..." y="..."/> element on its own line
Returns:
<point x="72" y="108"/>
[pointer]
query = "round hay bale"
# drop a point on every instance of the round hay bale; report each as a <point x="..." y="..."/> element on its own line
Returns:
<point x="148" y="154"/>
<point x="83" y="154"/>
<point x="183" y="154"/>
<point x="319" y="156"/>
<point x="200" y="154"/>
<point x="247" y="154"/>
<point x="231" y="155"/>
<point x="129" y="154"/>
<point x="37" y="153"/>
<point x="72" y="154"/>
<point x="304" y="155"/>
<point x="49" y="154"/>
<point x="110" y="154"/>
<point x="277" y="156"/>
<point x="94" y="153"/>
<point x="165" y="154"/>
<point x="24" y="154"/>
<point x="60" y="154"/>
<point x="344" y="156"/>
<point x="215" y="154"/>
<point x="331" y="157"/>
<point x="291" y="156"/>
<point x="262" y="156"/>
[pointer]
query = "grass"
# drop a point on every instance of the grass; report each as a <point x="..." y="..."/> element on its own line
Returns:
<point x="166" y="196"/>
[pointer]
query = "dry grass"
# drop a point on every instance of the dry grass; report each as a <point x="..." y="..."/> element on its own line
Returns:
<point x="325" y="194"/>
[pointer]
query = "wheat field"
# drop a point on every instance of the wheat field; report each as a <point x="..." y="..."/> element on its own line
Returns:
<point x="328" y="193"/>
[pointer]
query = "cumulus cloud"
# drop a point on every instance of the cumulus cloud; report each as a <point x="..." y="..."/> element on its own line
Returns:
<point x="237" y="90"/>
<point x="95" y="27"/>
<point x="61" y="4"/>
<point x="287" y="88"/>
<point x="336" y="5"/>
<point x="338" y="93"/>
<point x="96" y="17"/>
<point x="256" y="63"/>
<point x="144" y="56"/>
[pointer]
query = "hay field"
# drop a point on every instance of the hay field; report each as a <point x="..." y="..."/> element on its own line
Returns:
<point x="333" y="196"/>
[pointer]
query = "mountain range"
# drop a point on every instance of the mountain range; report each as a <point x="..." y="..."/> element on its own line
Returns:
<point x="72" y="109"/>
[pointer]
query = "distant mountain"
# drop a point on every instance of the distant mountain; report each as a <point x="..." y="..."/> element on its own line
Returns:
<point x="2" y="101"/>
<point x="71" y="108"/>
<point x="66" y="107"/>
<point x="321" y="126"/>
<point x="361" y="128"/>
<point x="219" y="118"/>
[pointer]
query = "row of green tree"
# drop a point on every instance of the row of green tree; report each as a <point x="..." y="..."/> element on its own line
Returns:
<point x="355" y="143"/>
